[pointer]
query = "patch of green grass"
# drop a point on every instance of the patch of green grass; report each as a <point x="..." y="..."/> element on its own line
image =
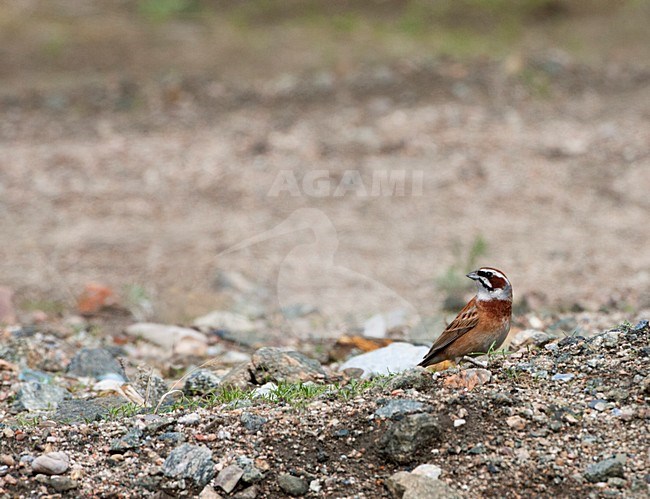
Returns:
<point x="123" y="411"/>
<point x="165" y="10"/>
<point x="47" y="306"/>
<point x="27" y="420"/>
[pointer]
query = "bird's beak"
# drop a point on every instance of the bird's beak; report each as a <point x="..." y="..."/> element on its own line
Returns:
<point x="473" y="275"/>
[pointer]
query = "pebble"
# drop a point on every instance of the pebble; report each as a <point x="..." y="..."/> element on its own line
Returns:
<point x="399" y="407"/>
<point x="52" y="463"/>
<point x="131" y="440"/>
<point x="563" y="377"/>
<point x="201" y="382"/>
<point x="516" y="422"/>
<point x="208" y="492"/>
<point x="293" y="485"/>
<point x="468" y="379"/>
<point x="417" y="378"/>
<point x="62" y="483"/>
<point x="394" y="358"/>
<point x="229" y="477"/>
<point x="403" y="438"/>
<point x="406" y="485"/>
<point x="429" y="470"/>
<point x="252" y="422"/>
<point x="180" y="340"/>
<point x="95" y="363"/>
<point x="599" y="404"/>
<point x="277" y="365"/>
<point x="35" y="396"/>
<point x="189" y="419"/>
<point x="220" y="320"/>
<point x="193" y="462"/>
<point x="251" y="473"/>
<point x="607" y="468"/>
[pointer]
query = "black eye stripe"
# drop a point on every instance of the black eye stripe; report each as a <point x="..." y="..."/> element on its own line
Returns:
<point x="486" y="283"/>
<point x="483" y="273"/>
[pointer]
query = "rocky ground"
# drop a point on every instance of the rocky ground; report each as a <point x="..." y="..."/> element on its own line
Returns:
<point x="560" y="414"/>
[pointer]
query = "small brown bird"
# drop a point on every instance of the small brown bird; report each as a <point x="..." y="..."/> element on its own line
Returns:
<point x="482" y="325"/>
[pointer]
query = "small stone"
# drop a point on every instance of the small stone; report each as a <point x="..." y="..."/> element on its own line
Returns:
<point x="563" y="377"/>
<point x="274" y="364"/>
<point x="265" y="390"/>
<point x="208" y="492"/>
<point x="292" y="485"/>
<point x="252" y="422"/>
<point x="399" y="407"/>
<point x="181" y="340"/>
<point x="641" y="325"/>
<point x="315" y="486"/>
<point x="220" y="320"/>
<point x="599" y="405"/>
<point x="251" y="473"/>
<point x="52" y="463"/>
<point x="477" y="449"/>
<point x="394" y="358"/>
<point x="516" y="422"/>
<point x="417" y="378"/>
<point x="63" y="483"/>
<point x="189" y="419"/>
<point x="468" y="379"/>
<point x="201" y="382"/>
<point x="617" y="482"/>
<point x="131" y="440"/>
<point x="607" y="468"/>
<point x="229" y="477"/>
<point x="193" y="462"/>
<point x="401" y="440"/>
<point x="95" y="363"/>
<point x="459" y="422"/>
<point x="406" y="485"/>
<point x="248" y="493"/>
<point x="429" y="470"/>
<point x="35" y="396"/>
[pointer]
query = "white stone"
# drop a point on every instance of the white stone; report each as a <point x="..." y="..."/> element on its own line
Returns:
<point x="394" y="358"/>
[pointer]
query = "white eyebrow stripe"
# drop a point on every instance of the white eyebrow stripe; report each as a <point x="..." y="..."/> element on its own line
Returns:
<point x="494" y="273"/>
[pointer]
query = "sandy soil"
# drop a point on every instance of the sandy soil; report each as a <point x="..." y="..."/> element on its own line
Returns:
<point x="544" y="159"/>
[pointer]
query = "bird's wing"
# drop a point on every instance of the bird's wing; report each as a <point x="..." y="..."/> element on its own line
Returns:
<point x="464" y="321"/>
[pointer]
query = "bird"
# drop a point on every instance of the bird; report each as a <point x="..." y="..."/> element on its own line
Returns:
<point x="481" y="325"/>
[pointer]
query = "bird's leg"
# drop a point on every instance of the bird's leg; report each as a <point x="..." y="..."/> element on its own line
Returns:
<point x="477" y="363"/>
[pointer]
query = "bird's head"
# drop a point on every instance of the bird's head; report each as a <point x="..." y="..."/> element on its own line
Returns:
<point x="492" y="284"/>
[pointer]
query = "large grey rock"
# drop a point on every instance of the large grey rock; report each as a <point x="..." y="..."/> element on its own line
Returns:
<point x="607" y="468"/>
<point x="97" y="363"/>
<point x="35" y="396"/>
<point x="406" y="485"/>
<point x="394" y="358"/>
<point x="193" y="462"/>
<point x="274" y="364"/>
<point x="403" y="438"/>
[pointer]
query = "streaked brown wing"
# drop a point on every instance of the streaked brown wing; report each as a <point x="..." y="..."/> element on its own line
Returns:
<point x="464" y="321"/>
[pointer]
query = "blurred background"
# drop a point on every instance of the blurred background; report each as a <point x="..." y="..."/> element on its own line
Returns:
<point x="141" y="139"/>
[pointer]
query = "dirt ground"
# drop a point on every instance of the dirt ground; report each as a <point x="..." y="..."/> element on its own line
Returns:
<point x="140" y="181"/>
